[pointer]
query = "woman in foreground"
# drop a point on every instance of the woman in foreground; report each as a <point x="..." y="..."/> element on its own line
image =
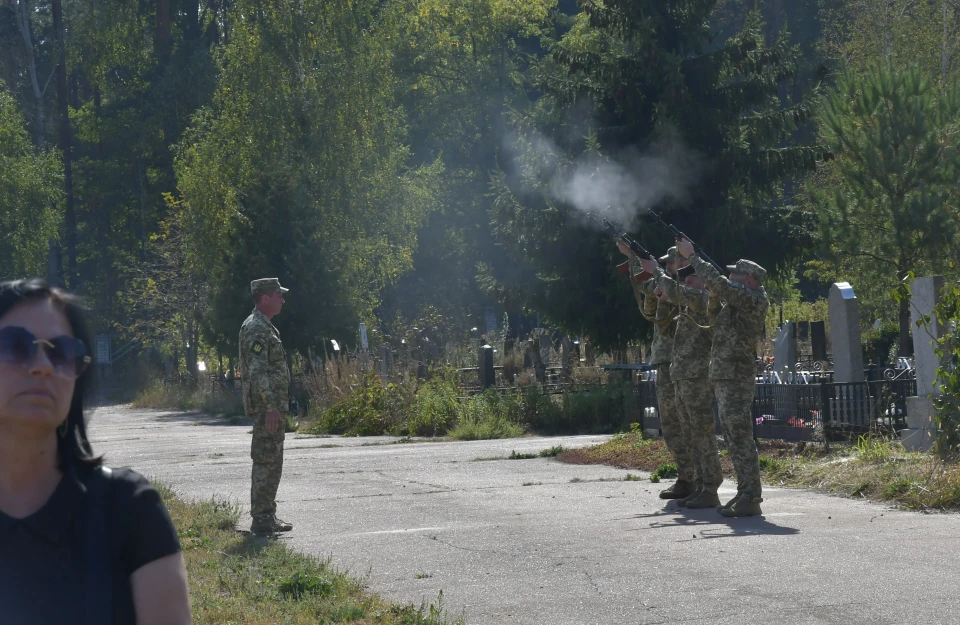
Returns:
<point x="79" y="543"/>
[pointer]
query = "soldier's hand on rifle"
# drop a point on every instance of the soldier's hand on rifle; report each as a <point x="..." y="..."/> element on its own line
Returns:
<point x="684" y="247"/>
<point x="623" y="247"/>
<point x="649" y="265"/>
<point x="272" y="421"/>
<point x="661" y="295"/>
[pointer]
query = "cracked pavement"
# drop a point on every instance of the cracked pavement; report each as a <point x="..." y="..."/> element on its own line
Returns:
<point x="540" y="542"/>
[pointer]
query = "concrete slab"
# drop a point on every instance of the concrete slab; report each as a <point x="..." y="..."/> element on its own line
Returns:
<point x="539" y="542"/>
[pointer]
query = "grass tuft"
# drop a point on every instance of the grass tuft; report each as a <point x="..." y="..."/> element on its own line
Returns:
<point x="515" y="456"/>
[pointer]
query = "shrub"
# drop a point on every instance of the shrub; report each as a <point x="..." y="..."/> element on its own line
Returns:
<point x="434" y="409"/>
<point x="368" y="410"/>
<point x="486" y="416"/>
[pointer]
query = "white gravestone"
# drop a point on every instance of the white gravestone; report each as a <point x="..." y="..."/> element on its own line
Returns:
<point x="924" y="295"/>
<point x="845" y="330"/>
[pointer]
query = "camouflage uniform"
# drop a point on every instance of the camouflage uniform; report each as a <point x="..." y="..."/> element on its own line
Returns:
<point x="664" y="327"/>
<point x="266" y="386"/>
<point x="689" y="370"/>
<point x="736" y="331"/>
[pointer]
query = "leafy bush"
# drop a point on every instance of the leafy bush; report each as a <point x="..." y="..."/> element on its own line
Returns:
<point x="434" y="409"/>
<point x="369" y="410"/>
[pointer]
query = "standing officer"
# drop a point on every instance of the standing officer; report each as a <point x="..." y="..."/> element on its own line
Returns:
<point x="266" y="387"/>
<point x="736" y="331"/>
<point x="663" y="315"/>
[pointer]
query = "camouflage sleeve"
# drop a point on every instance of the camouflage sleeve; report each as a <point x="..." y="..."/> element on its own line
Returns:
<point x="752" y="304"/>
<point x="668" y="285"/>
<point x="713" y="281"/>
<point x="694" y="299"/>
<point x="258" y="346"/>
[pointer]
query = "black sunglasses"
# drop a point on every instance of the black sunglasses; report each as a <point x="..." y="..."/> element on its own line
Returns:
<point x="67" y="354"/>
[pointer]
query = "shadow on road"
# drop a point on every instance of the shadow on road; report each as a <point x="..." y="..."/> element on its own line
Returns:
<point x="200" y="418"/>
<point x="707" y="520"/>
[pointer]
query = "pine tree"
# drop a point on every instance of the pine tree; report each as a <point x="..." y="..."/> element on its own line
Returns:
<point x="638" y="67"/>
<point x="892" y="207"/>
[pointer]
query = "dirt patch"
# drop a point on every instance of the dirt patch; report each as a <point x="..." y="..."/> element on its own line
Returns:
<point x="629" y="451"/>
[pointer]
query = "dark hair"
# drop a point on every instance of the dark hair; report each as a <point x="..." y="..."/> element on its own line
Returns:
<point x="73" y="447"/>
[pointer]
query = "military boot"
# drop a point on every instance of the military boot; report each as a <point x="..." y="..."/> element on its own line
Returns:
<point x="679" y="490"/>
<point x="706" y="499"/>
<point x="733" y="501"/>
<point x="683" y="501"/>
<point x="266" y="527"/>
<point x="745" y="506"/>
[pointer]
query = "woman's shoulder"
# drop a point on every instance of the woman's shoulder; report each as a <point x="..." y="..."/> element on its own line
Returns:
<point x="141" y="525"/>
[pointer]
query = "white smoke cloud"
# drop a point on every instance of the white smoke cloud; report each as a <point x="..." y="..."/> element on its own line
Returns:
<point x="621" y="187"/>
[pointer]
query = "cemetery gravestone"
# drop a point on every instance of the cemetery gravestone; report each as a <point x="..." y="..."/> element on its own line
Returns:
<point x="818" y="340"/>
<point x="845" y="329"/>
<point x="785" y="348"/>
<point x="924" y="295"/>
<point x="486" y="367"/>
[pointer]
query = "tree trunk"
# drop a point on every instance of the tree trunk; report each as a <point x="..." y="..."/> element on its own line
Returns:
<point x="70" y="214"/>
<point x="23" y="10"/>
<point x="944" y="56"/>
<point x="164" y="43"/>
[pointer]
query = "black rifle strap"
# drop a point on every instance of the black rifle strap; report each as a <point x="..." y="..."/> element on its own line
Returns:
<point x="98" y="578"/>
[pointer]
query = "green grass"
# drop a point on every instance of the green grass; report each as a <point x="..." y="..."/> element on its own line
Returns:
<point x="551" y="452"/>
<point x="515" y="456"/>
<point x="484" y="427"/>
<point x="244" y="580"/>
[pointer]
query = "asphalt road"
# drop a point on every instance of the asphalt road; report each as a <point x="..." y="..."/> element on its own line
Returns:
<point x="540" y="542"/>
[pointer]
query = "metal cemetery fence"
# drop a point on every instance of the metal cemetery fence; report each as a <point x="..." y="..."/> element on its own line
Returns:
<point x="795" y="412"/>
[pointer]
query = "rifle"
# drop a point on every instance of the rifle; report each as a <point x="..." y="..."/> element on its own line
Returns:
<point x="676" y="233"/>
<point x="632" y="243"/>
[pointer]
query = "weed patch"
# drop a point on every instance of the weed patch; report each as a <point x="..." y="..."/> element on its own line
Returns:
<point x="515" y="456"/>
<point x="552" y="452"/>
<point x="664" y="471"/>
<point x="250" y="581"/>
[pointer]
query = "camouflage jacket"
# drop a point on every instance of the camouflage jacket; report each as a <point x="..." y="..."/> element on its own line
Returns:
<point x="661" y="314"/>
<point x="737" y="327"/>
<point x="263" y="367"/>
<point x="694" y="336"/>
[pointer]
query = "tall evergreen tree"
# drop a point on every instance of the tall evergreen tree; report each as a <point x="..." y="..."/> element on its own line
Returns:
<point x="625" y="72"/>
<point x="891" y="207"/>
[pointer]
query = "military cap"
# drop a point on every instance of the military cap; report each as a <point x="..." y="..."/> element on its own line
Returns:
<point x="670" y="255"/>
<point x="265" y="285"/>
<point x="748" y="268"/>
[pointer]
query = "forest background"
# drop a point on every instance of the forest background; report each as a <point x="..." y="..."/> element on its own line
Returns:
<point x="400" y="162"/>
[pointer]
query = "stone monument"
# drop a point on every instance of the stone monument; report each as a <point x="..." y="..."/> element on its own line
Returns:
<point x="785" y="348"/>
<point x="845" y="331"/>
<point x="924" y="295"/>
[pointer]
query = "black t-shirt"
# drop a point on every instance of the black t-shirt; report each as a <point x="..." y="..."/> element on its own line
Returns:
<point x="41" y="556"/>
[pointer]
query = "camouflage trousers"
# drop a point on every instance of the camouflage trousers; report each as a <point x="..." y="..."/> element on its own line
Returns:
<point x="672" y="425"/>
<point x="735" y="400"/>
<point x="266" y="450"/>
<point x="695" y="401"/>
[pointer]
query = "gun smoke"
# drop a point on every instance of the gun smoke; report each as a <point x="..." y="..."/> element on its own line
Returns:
<point x="621" y="186"/>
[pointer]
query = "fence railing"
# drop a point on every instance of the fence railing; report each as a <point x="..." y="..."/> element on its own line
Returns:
<point x="798" y="411"/>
